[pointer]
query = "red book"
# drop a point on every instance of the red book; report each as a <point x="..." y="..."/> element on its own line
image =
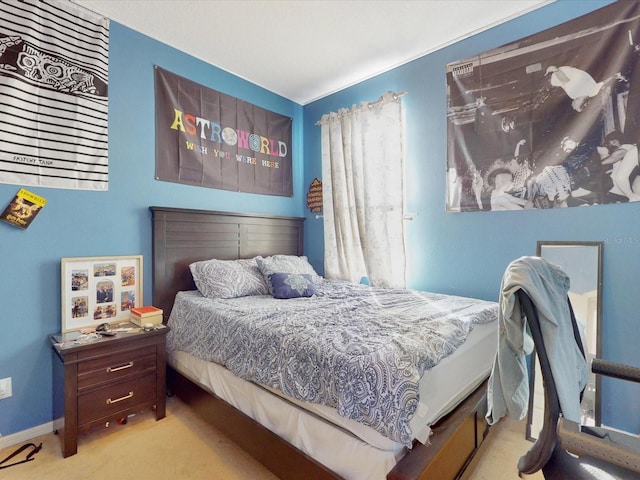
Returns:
<point x="148" y="311"/>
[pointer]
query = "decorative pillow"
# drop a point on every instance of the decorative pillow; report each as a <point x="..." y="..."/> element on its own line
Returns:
<point x="285" y="264"/>
<point x="292" y="285"/>
<point x="228" y="278"/>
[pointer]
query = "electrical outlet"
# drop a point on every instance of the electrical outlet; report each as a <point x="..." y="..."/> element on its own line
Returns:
<point x="5" y="387"/>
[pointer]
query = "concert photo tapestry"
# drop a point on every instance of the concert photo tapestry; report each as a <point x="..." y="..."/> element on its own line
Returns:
<point x="548" y="121"/>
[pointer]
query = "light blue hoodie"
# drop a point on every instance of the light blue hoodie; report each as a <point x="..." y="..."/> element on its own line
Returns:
<point x="547" y="286"/>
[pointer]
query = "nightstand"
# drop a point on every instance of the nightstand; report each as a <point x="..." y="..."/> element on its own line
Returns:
<point x="105" y="380"/>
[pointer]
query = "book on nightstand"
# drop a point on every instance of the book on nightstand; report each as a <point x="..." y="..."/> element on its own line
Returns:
<point x="148" y="314"/>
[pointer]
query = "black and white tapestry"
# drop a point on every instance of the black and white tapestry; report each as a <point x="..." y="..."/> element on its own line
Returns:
<point x="549" y="121"/>
<point x="209" y="139"/>
<point x="53" y="95"/>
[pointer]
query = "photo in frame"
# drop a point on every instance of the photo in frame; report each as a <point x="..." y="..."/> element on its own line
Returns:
<point x="96" y="290"/>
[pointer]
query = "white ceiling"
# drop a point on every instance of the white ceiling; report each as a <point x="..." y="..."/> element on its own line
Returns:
<point x="307" y="49"/>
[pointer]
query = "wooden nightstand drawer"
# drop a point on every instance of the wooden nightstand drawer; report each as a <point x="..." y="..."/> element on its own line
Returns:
<point x="107" y="401"/>
<point x="116" y="366"/>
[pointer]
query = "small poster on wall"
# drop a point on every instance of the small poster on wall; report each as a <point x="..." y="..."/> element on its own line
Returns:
<point x="99" y="290"/>
<point x="23" y="209"/>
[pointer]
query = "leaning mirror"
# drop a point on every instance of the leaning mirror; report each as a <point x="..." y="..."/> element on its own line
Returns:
<point x="582" y="262"/>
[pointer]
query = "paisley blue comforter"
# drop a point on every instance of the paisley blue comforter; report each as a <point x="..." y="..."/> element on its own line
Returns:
<point x="358" y="349"/>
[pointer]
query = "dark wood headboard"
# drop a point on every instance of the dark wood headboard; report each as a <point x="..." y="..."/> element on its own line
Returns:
<point x="183" y="236"/>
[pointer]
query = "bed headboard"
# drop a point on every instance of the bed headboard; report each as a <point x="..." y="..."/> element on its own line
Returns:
<point x="182" y="236"/>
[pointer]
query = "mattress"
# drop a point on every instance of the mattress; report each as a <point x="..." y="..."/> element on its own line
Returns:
<point x="361" y="352"/>
<point x="314" y="429"/>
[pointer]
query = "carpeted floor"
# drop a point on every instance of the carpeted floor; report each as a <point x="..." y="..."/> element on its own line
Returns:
<point x="182" y="447"/>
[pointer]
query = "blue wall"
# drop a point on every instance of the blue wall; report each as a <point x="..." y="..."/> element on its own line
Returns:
<point x="463" y="253"/>
<point x="467" y="253"/>
<point x="117" y="222"/>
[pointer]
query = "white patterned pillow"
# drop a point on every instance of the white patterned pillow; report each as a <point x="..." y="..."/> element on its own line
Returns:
<point x="285" y="264"/>
<point x="228" y="278"/>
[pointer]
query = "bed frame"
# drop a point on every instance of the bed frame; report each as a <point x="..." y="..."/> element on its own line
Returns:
<point x="182" y="236"/>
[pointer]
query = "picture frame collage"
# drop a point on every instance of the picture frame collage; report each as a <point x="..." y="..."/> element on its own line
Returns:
<point x="99" y="290"/>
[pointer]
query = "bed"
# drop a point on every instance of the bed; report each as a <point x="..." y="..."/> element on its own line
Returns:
<point x="287" y="434"/>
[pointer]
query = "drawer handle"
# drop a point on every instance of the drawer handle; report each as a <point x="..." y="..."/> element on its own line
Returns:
<point x="110" y="401"/>
<point x="122" y="367"/>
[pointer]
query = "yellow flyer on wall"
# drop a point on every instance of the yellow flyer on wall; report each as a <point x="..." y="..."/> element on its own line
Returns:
<point x="23" y="209"/>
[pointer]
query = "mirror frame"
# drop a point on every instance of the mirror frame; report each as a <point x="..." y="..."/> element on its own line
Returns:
<point x="599" y="246"/>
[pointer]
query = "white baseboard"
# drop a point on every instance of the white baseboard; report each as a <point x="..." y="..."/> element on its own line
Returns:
<point x="25" y="435"/>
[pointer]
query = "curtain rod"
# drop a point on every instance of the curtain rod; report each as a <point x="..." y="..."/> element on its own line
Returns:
<point x="394" y="96"/>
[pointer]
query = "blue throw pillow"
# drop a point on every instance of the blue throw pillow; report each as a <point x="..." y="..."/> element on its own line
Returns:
<point x="285" y="264"/>
<point x="292" y="285"/>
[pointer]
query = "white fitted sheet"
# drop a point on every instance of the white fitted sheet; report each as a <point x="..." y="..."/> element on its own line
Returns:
<point x="454" y="378"/>
<point x="354" y="460"/>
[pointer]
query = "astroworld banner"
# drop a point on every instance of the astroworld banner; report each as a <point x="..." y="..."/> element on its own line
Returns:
<point x="210" y="139"/>
<point x="549" y="121"/>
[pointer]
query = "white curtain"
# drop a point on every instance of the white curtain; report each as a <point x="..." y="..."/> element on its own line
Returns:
<point x="363" y="192"/>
